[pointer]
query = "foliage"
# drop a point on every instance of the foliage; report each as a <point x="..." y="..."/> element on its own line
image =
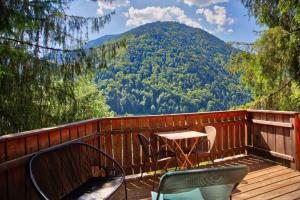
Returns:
<point x="40" y="57"/>
<point x="270" y="67"/>
<point x="171" y="68"/>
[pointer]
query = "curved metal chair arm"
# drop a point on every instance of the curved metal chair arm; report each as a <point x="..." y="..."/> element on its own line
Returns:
<point x="63" y="161"/>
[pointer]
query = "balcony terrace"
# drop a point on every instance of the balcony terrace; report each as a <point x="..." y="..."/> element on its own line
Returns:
<point x="266" y="141"/>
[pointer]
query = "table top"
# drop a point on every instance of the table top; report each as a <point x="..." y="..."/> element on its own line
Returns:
<point x="182" y="134"/>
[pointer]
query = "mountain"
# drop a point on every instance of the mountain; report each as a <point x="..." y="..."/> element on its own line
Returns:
<point x="169" y="67"/>
<point x="99" y="41"/>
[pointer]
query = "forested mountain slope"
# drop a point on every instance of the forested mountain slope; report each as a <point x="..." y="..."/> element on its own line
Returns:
<point x="171" y="68"/>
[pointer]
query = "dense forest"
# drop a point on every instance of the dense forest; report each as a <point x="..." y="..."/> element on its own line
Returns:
<point x="170" y="68"/>
<point x="47" y="78"/>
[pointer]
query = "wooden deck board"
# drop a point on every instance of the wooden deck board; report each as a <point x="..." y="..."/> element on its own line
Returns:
<point x="266" y="180"/>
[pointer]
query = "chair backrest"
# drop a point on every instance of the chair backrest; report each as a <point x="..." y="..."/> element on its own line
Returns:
<point x="211" y="135"/>
<point x="57" y="171"/>
<point x="146" y="145"/>
<point x="213" y="183"/>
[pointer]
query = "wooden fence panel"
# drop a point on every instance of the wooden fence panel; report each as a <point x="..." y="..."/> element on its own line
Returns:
<point x="272" y="131"/>
<point x="273" y="135"/>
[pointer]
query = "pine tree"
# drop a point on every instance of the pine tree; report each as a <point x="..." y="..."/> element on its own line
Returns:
<point x="41" y="56"/>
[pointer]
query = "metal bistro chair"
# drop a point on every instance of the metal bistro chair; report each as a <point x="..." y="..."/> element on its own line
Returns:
<point x="76" y="170"/>
<point x="200" y="184"/>
<point x="155" y="158"/>
<point x="210" y="140"/>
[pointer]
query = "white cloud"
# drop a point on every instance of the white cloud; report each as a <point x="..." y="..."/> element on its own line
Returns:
<point x="217" y="16"/>
<point x="230" y="30"/>
<point x="107" y="5"/>
<point x="203" y="3"/>
<point x="138" y="17"/>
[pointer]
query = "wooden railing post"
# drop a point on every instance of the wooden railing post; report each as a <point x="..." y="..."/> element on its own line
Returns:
<point x="248" y="131"/>
<point x="295" y="142"/>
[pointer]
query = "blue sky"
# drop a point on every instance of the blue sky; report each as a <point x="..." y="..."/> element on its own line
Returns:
<point x="226" y="19"/>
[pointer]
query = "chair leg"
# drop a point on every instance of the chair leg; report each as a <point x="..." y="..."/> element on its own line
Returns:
<point x="197" y="159"/>
<point x="211" y="158"/>
<point x="142" y="170"/>
<point x="125" y="190"/>
<point x="154" y="177"/>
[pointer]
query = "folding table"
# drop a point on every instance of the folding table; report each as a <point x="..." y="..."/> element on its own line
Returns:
<point x="176" y="137"/>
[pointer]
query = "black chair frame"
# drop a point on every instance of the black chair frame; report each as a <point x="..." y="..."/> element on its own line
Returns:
<point x="60" y="147"/>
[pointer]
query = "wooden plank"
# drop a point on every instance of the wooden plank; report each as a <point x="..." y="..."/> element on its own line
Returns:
<point x="218" y="139"/>
<point x="31" y="193"/>
<point x="135" y="124"/>
<point x="43" y="141"/>
<point x="105" y="125"/>
<point x="3" y="185"/>
<point x="287" y="141"/>
<point x="169" y="122"/>
<point x="289" y="195"/>
<point x="243" y="133"/>
<point x="54" y="138"/>
<point x="102" y="148"/>
<point x="3" y="175"/>
<point x="271" y="133"/>
<point x="117" y="147"/>
<point x="65" y="135"/>
<point x="116" y="124"/>
<point x="16" y="180"/>
<point x="136" y="152"/>
<point x="279" y="143"/>
<point x="191" y="120"/>
<point x="15" y="149"/>
<point x="271" y="123"/>
<point x="81" y="131"/>
<point x="73" y="133"/>
<point x="24" y="134"/>
<point x="179" y="121"/>
<point x="127" y="153"/>
<point x="230" y="137"/>
<point x="2" y="152"/>
<point x="126" y="124"/>
<point x="89" y="128"/>
<point x="225" y="137"/>
<point x="144" y="123"/>
<point x="32" y="144"/>
<point x="276" y="190"/>
<point x="236" y="142"/>
<point x="296" y="123"/>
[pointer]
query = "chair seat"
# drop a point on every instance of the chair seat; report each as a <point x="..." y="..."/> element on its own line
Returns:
<point x="95" y="188"/>
<point x="195" y="194"/>
<point x="165" y="155"/>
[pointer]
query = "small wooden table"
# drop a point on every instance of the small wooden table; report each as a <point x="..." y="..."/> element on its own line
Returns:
<point x="176" y="137"/>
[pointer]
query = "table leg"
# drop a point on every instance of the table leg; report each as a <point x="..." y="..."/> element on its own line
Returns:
<point x="186" y="156"/>
<point x="183" y="154"/>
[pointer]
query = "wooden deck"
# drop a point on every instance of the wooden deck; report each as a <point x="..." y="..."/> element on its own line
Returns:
<point x="266" y="180"/>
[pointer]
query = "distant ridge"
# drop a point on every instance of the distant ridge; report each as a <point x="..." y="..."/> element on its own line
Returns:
<point x="169" y="67"/>
<point x="100" y="41"/>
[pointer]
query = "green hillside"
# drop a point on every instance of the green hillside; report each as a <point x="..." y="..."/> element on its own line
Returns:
<point x="171" y="68"/>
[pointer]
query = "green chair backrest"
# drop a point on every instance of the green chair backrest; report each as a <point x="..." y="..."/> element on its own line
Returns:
<point x="213" y="183"/>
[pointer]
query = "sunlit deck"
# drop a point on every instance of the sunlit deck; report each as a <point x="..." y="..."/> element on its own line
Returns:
<point x="266" y="180"/>
<point x="271" y="135"/>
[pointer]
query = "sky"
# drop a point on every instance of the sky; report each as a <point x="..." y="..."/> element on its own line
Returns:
<point x="226" y="19"/>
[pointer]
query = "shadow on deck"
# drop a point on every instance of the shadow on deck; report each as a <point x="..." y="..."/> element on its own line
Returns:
<point x="266" y="180"/>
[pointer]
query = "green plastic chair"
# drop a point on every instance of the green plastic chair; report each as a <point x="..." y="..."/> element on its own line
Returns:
<point x="200" y="184"/>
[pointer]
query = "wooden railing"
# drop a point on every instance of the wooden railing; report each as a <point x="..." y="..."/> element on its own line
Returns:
<point x="238" y="132"/>
<point x="274" y="135"/>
